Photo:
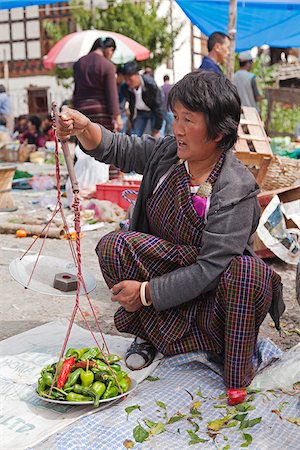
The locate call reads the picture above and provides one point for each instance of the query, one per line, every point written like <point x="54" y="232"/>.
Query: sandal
<point x="144" y="352"/>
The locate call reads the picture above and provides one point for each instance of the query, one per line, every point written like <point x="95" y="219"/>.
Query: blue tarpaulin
<point x="275" y="23"/>
<point x="8" y="4"/>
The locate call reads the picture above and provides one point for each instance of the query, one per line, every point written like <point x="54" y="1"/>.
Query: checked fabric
<point x="225" y="321"/>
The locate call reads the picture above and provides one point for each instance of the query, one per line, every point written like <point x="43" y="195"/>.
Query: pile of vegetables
<point x="85" y="375"/>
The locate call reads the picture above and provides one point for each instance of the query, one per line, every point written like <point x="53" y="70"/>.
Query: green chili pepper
<point x="99" y="388"/>
<point x="124" y="384"/>
<point x="73" y="397"/>
<point x="88" y="392"/>
<point x="100" y="365"/>
<point x="101" y="376"/>
<point x="111" y="358"/>
<point x="50" y="368"/>
<point x="72" y="378"/>
<point x="115" y="367"/>
<point x="41" y="387"/>
<point x="47" y="378"/>
<point x="90" y="354"/>
<point x="87" y="378"/>
<point x="119" y="375"/>
<point x="76" y="352"/>
<point x="111" y="391"/>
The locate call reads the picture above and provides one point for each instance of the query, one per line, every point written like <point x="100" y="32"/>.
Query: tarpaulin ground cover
<point x="178" y="378"/>
<point x="27" y="422"/>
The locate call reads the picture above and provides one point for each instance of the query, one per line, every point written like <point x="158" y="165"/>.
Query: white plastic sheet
<point x="25" y="419"/>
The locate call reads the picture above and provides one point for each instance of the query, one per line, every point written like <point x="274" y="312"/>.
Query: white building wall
<point x="182" y="46"/>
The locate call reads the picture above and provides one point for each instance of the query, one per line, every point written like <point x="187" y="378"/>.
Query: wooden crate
<point x="253" y="146"/>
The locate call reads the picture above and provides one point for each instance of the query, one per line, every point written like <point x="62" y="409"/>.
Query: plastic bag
<point x="89" y="172"/>
<point x="282" y="374"/>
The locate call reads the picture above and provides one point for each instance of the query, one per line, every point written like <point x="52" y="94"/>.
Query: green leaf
<point x="232" y="424"/>
<point x="199" y="393"/>
<point x="250" y="423"/>
<point x="150" y="424"/>
<point x="195" y="413"/>
<point x="243" y="407"/>
<point x="140" y="434"/>
<point x="151" y="378"/>
<point x="240" y="417"/>
<point x="195" y="425"/>
<point x="216" y="425"/>
<point x="157" y="429"/>
<point x="227" y="447"/>
<point x="282" y="405"/>
<point x="220" y="406"/>
<point x="195" y="439"/>
<point x="176" y="418"/>
<point x="248" y="439"/>
<point x="161" y="405"/>
<point x="129" y="409"/>
<point x="252" y="391"/>
<point x="294" y="420"/>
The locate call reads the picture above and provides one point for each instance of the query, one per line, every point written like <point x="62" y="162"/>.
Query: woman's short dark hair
<point x="103" y="43"/>
<point x="216" y="97"/>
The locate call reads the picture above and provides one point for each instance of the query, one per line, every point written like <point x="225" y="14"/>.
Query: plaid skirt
<point x="225" y="321"/>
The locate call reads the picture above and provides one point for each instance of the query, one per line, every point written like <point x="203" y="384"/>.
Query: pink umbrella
<point x="75" y="45"/>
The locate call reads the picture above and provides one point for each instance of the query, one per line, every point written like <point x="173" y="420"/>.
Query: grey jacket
<point x="232" y="217"/>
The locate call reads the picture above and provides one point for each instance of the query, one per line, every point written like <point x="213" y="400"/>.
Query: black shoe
<point x="145" y="350"/>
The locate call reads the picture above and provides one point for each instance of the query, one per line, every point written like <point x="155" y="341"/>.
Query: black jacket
<point x="152" y="97"/>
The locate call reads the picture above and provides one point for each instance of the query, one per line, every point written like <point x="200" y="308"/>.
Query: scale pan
<point x="43" y="276"/>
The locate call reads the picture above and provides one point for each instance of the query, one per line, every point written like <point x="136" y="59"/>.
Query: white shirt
<point x="139" y="102"/>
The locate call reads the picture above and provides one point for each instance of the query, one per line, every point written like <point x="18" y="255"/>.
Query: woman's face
<point x="108" y="52"/>
<point x="190" y="131"/>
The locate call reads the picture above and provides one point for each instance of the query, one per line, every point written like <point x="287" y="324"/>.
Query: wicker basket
<point x="282" y="172"/>
<point x="14" y="152"/>
<point x="6" y="176"/>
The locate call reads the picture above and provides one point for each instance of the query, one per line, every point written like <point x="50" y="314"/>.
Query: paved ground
<point x="23" y="309"/>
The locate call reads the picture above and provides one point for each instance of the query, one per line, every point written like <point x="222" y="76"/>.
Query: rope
<point x="76" y="253"/>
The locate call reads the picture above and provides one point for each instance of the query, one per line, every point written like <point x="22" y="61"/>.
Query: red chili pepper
<point x="236" y="396"/>
<point x="83" y="364"/>
<point x="65" y="370"/>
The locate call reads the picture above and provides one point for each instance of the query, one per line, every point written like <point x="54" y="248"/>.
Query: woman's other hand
<point x="118" y="123"/>
<point x="156" y="134"/>
<point x="127" y="293"/>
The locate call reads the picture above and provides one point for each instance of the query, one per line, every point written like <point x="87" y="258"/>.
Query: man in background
<point x="246" y="82"/>
<point x="218" y="50"/>
<point x="144" y="98"/>
<point x="169" y="116"/>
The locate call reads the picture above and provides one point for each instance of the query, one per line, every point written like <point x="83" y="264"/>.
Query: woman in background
<point x="95" y="93"/>
<point x="33" y="134"/>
